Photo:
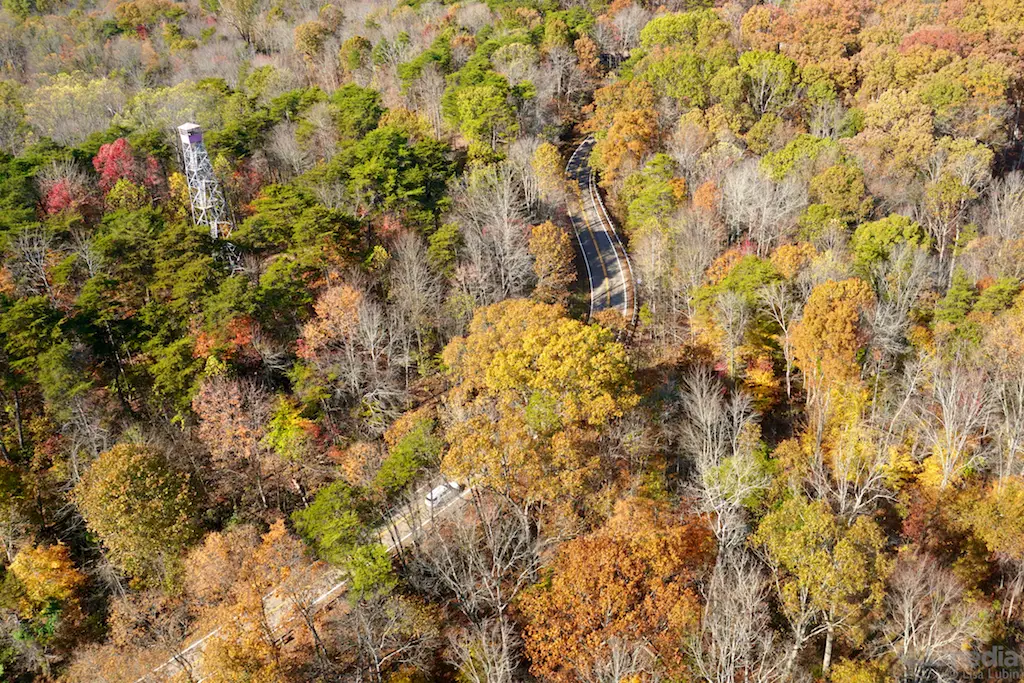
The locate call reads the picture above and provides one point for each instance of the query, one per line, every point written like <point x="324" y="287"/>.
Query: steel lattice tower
<point x="209" y="207"/>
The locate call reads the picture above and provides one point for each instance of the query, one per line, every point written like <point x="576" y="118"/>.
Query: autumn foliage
<point x="632" y="580"/>
<point x="803" y="459"/>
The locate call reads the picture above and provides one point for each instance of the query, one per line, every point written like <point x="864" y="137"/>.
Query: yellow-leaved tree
<point x="532" y="389"/>
<point x="46" y="575"/>
<point x="830" y="572"/>
<point x="830" y="335"/>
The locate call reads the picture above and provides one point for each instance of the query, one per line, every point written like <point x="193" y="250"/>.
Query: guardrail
<point x="603" y="212"/>
<point x="335" y="581"/>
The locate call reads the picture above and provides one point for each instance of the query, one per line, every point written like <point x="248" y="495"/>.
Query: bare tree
<point x="31" y="253"/>
<point x="957" y="415"/>
<point x="484" y="559"/>
<point x="1008" y="430"/>
<point x="929" y="619"/>
<point x="474" y="16"/>
<point x="415" y="290"/>
<point x="15" y="528"/>
<point x="784" y="308"/>
<point x="13" y="48"/>
<point x="827" y="119"/>
<point x="487" y="652"/>
<point x="560" y="64"/>
<point x="899" y="281"/>
<point x="520" y="157"/>
<point x="517" y="62"/>
<point x="967" y="172"/>
<point x="732" y="314"/>
<point x="671" y="267"/>
<point x="358" y="344"/>
<point x="853" y="476"/>
<point x="233" y="415"/>
<point x="718" y="434"/>
<point x="302" y="590"/>
<point x="492" y="212"/>
<point x="86" y="430"/>
<point x="633" y="439"/>
<point x="736" y="641"/>
<point x="628" y="22"/>
<point x="156" y="622"/>
<point x="1006" y="207"/>
<point x="687" y="145"/>
<point x="69" y="177"/>
<point x="375" y="373"/>
<point x="243" y="16"/>
<point x="286" y="150"/>
<point x="769" y="89"/>
<point x="388" y="631"/>
<point x="426" y="92"/>
<point x="760" y="206"/>
<point x="88" y="252"/>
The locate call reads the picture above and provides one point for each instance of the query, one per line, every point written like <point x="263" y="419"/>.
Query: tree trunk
<point x="826" y="660"/>
<point x="17" y="420"/>
<point x="259" y="485"/>
<point x="789" y="372"/>
<point x="787" y="674"/>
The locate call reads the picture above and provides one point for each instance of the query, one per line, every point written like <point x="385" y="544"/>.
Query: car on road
<point x="441" y="493"/>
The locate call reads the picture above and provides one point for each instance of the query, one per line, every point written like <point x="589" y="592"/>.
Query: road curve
<point x="608" y="267"/>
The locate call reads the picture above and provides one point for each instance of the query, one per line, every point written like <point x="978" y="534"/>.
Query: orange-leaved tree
<point x="552" y="262"/>
<point x="631" y="584"/>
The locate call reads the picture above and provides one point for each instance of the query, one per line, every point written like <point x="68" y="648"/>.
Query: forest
<point x="803" y="459"/>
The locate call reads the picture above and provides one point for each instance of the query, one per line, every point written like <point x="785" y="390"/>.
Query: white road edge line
<point x="611" y="230"/>
<point x="572" y="219"/>
<point x="629" y="264"/>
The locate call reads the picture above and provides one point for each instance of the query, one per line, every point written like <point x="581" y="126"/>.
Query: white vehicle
<point x="441" y="493"/>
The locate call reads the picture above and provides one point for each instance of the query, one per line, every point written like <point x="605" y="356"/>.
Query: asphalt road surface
<point x="414" y="519"/>
<point x="611" y="287"/>
<point x="608" y="268"/>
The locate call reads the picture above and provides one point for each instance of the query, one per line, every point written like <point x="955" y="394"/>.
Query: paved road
<point x="329" y="585"/>
<point x="608" y="267"/>
<point x="611" y="287"/>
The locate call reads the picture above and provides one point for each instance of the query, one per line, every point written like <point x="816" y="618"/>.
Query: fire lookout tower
<point x="209" y="208"/>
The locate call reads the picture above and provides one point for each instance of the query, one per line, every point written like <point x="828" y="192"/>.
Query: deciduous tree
<point x="830" y="334"/>
<point x="929" y="618"/>
<point x="553" y="262"/>
<point x="829" y="572"/>
<point x="531" y="388"/>
<point x="139" y="506"/>
<point x="233" y="416"/>
<point x="492" y="212"/>
<point x="47" y="576"/>
<point x="632" y="580"/>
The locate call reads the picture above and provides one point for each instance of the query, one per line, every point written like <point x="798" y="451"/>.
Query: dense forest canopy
<point x="803" y="460"/>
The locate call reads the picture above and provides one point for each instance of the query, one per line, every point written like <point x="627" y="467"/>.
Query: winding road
<point x="608" y="268"/>
<point x="612" y="287"/>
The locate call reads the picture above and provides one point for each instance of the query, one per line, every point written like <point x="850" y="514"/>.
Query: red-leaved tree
<point x="116" y="161"/>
